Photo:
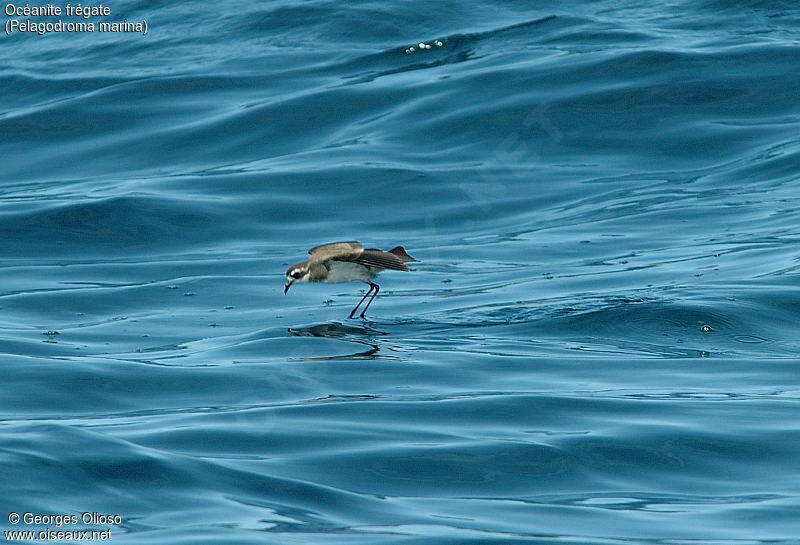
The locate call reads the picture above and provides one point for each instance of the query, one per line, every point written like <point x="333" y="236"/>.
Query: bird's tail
<point x="400" y="252"/>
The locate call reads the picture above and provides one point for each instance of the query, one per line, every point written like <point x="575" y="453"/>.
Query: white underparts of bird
<point x="339" y="262"/>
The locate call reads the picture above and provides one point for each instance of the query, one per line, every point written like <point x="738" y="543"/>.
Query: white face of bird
<point x="296" y="274"/>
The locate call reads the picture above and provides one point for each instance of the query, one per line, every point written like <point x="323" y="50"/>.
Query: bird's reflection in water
<point x="335" y="330"/>
<point x="364" y="336"/>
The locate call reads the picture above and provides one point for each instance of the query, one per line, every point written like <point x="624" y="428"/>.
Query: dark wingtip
<point x="400" y="252"/>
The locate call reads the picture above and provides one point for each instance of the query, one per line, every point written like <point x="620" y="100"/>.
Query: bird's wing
<point x="372" y="257"/>
<point x="324" y="252"/>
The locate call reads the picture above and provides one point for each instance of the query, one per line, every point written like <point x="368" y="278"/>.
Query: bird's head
<point x="296" y="273"/>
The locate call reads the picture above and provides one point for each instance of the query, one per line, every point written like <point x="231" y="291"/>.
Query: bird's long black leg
<point x="352" y="312"/>
<point x="377" y="288"/>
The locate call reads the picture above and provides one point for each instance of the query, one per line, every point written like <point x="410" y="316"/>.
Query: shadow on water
<point x="364" y="336"/>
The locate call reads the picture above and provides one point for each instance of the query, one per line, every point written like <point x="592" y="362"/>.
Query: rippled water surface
<point x="599" y="341"/>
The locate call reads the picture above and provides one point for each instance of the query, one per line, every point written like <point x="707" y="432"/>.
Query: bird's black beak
<point x="287" y="286"/>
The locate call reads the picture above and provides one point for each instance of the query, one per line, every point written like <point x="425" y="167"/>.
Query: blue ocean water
<point x="599" y="342"/>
